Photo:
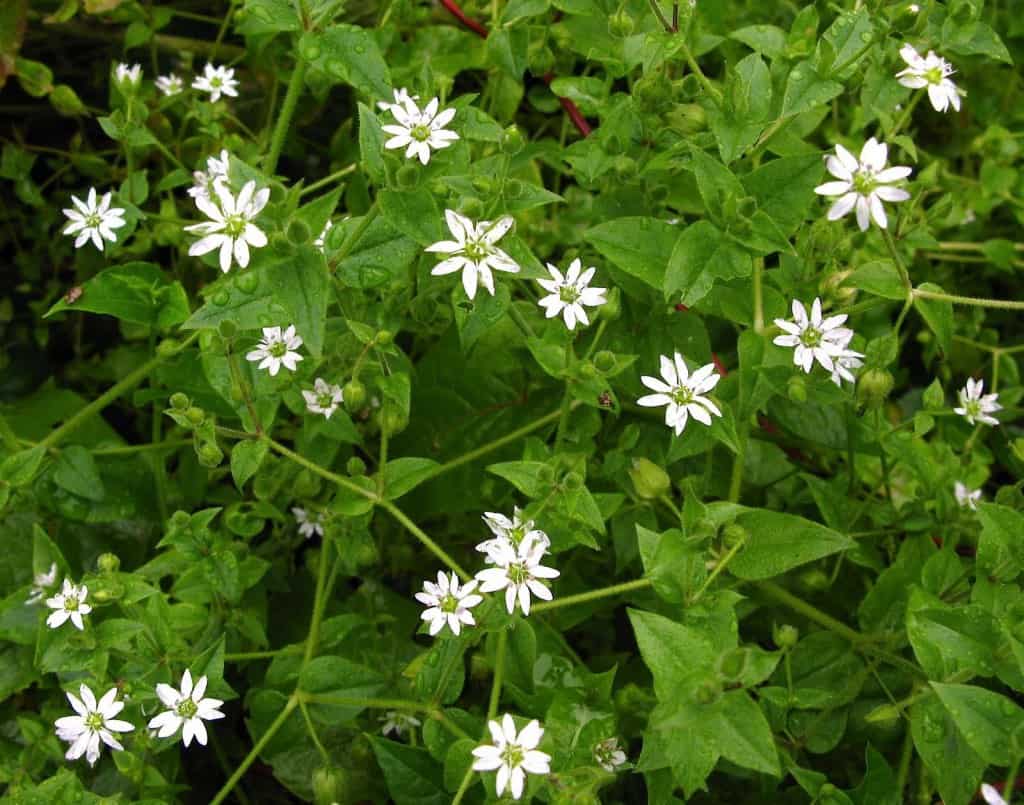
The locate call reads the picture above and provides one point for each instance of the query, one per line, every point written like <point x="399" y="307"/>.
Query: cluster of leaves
<point x="790" y="605"/>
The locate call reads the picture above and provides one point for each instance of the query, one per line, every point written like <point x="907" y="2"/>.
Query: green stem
<point x="906" y="755"/>
<point x="499" y="675"/>
<point x="661" y="16"/>
<point x="327" y="180"/>
<point x="736" y="479"/>
<point x="243" y="767"/>
<point x="758" y="295"/>
<point x="593" y="595"/>
<point x="386" y="704"/>
<point x="316" y="469"/>
<point x="710" y="88"/>
<point x="890" y="244"/>
<point x="974" y="301"/>
<point x="382" y="462"/>
<point x="131" y="380"/>
<point x="723" y="563"/>
<point x="311" y="729"/>
<point x="905" y="117"/>
<point x="246" y="656"/>
<point x="284" y="118"/>
<point x="319" y="603"/>
<point x="563" y="418"/>
<point x="354" y="236"/>
<point x="601" y="327"/>
<point x="428" y="543"/>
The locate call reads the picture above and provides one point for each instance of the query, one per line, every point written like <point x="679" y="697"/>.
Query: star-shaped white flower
<point x="843" y="365"/>
<point x="473" y="252"/>
<point x="42" y="582"/>
<point x="321" y="239"/>
<point x="509" y="531"/>
<point x="991" y="795"/>
<point x="518" y="571"/>
<point x="93" y="220"/>
<point x="683" y="394"/>
<point x="308" y="526"/>
<point x="933" y="72"/>
<point x="966" y="496"/>
<point x="128" y="74"/>
<point x="608" y="755"/>
<point x="217" y="81"/>
<point x="975" y="406"/>
<point x="277" y="348"/>
<point x="230" y="227"/>
<point x="863" y="184"/>
<point x="512" y="754"/>
<point x="448" y="603"/>
<point x="400" y="97"/>
<point x="814" y="338"/>
<point x="187" y="709"/>
<point x="204" y="182"/>
<point x="419" y="130"/>
<point x="398" y="723"/>
<point x="94" y="722"/>
<point x="170" y="84"/>
<point x="570" y="293"/>
<point x="68" y="604"/>
<point x="324" y="398"/>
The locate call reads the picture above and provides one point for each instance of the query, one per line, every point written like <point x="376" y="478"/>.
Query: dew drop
<point x="247" y="283"/>
<point x="221" y="298"/>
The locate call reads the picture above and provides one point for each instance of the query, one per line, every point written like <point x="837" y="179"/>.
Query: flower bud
<point x="408" y="176"/>
<point x="613" y="145"/>
<point x="625" y="167"/>
<point x="620" y="24"/>
<point x="66" y="101"/>
<point x="649" y="480"/>
<point x="604" y="361"/>
<point x="545" y="475"/>
<point x="511" y="140"/>
<point x="108" y="563"/>
<point x="354" y="395"/>
<point x="329" y="785"/>
<point x="210" y="455"/>
<point x="883" y="714"/>
<point x="483" y="184"/>
<point x="831" y="287"/>
<point x="179" y="401"/>
<point x="612" y="308"/>
<point x="298" y="232"/>
<point x="227" y="329"/>
<point x="355" y="467"/>
<point x="587" y="370"/>
<point x="796" y="389"/>
<point x="180" y="519"/>
<point x="391" y="420"/>
<point x="814" y="580"/>
<point x="785" y="635"/>
<point x="195" y="415"/>
<point x="734" y="534"/>
<point x="541" y="60"/>
<point x="572" y="481"/>
<point x="873" y="387"/>
<point x="471" y="207"/>
<point x="383" y="338"/>
<point x="167" y="347"/>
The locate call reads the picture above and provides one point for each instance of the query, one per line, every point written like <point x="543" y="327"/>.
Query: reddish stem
<point x="480" y="30"/>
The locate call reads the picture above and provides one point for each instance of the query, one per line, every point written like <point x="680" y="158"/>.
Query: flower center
<point x="234" y="226"/>
<point x="517" y="573"/>
<point x="278" y="349"/>
<point x="512" y="756"/>
<point x="449" y="603"/>
<point x="215" y="83"/>
<point x="71" y="604"/>
<point x="682" y="395"/>
<point x="475" y="250"/>
<point x="420" y="133"/>
<point x="934" y="75"/>
<point x="864" y="181"/>
<point x="811" y="337"/>
<point x="324" y="401"/>
<point x="93" y="220"/>
<point x="973" y="408"/>
<point x="94" y="721"/>
<point x="568" y="294"/>
<point x="187" y="708"/>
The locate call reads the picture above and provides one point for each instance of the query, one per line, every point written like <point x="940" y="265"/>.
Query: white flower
<point x="913" y="8"/>
<point x="419" y="130"/>
<point x="170" y="84"/>
<point x="41" y="583"/>
<point x="204" y="182"/>
<point x="92" y="220"/>
<point x="933" y="72"/>
<point x="976" y="406"/>
<point x="217" y="81"/>
<point x="473" y="251"/>
<point x="308" y="526"/>
<point x="607" y="754"/>
<point x="570" y="293"/>
<point x="69" y="603"/>
<point x="230" y="227"/>
<point x="324" y="399"/>
<point x="321" y="239"/>
<point x="449" y="603"/>
<point x="863" y="184"/>
<point x="186" y="710"/>
<point x="398" y="722"/>
<point x="517" y="570"/>
<point x="126" y="74"/>
<point x="682" y="393"/>
<point x="94" y="723"/>
<point x="966" y="497"/>
<point x="815" y="338"/>
<point x="508" y="531"/>
<point x="277" y="348"/>
<point x="401" y="96"/>
<point x="842" y="365"/>
<point x="513" y="755"/>
<point x="991" y="796"/>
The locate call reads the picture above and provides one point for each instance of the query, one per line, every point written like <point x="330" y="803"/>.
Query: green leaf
<point x="20" y="468"/>
<point x="740" y="120"/>
<point x="413" y="213"/>
<point x="246" y="457"/>
<point x="641" y="247"/>
<point x="474" y="318"/>
<point x="75" y="470"/>
<point x="973" y="38"/>
<point x="949" y="640"/>
<point x="769" y="40"/>
<point x="337" y="676"/>
<point x="412" y="776"/>
<point x="523" y="475"/>
<point x="1001" y="545"/>
<point x="702" y="255"/>
<point x="402" y="475"/>
<point x="742" y="734"/>
<point x="135" y="292"/>
<point x="675" y="653"/>
<point x="507" y="48"/>
<point x="987" y="720"/>
<point x="937" y="314"/>
<point x="784" y="189"/>
<point x="780" y="542"/>
<point x="371" y="145"/>
<point x="302" y="284"/>
<point x="878" y="277"/>
<point x="805" y="90"/>
<point x="348" y="53"/>
<point x="676" y="569"/>
<point x="955" y="767"/>
<point x="259" y="17"/>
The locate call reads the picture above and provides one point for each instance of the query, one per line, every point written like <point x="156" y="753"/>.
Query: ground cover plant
<point x="560" y="400"/>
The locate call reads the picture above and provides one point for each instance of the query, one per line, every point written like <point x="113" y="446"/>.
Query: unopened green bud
<point x="625" y="167"/>
<point x="734" y="534"/>
<point x="167" y="347"/>
<point x="354" y="395"/>
<point x="179" y="401"/>
<point x="620" y="24"/>
<point x="815" y="580"/>
<point x="391" y="420"/>
<point x="180" y="519"/>
<point x="210" y="455"/>
<point x="785" y="635"/>
<point x="383" y="338"/>
<point x="873" y="387"/>
<point x="298" y="232"/>
<point x="195" y="415"/>
<point x="108" y="563"/>
<point x="604" y="361"/>
<point x="227" y="329"/>
<point x="66" y="101"/>
<point x="471" y="207"/>
<point x="329" y="786"/>
<point x="511" y="140"/>
<point x="612" y="308"/>
<point x="545" y="475"/>
<point x="613" y="145"/>
<point x="483" y="184"/>
<point x="541" y="60"/>
<point x="572" y="481"/>
<point x="587" y="370"/>
<point x="355" y="466"/>
<point x="796" y="389"/>
<point x="883" y="714"/>
<point x="649" y="480"/>
<point x="408" y="175"/>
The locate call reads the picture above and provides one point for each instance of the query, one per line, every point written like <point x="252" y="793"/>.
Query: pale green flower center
<point x="324" y="401"/>
<point x="71" y="604"/>
<point x="811" y="337"/>
<point x="864" y="182"/>
<point x="512" y="756"/>
<point x="234" y="226"/>
<point x="568" y="294"/>
<point x="973" y="408"/>
<point x="420" y="133"/>
<point x="449" y="603"/>
<point x="216" y="83"/>
<point x="94" y="721"/>
<point x="682" y="395"/>
<point x="93" y="220"/>
<point x="933" y="76"/>
<point x="517" y="573"/>
<point x="278" y="349"/>
<point x="476" y="250"/>
<point x="187" y="708"/>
